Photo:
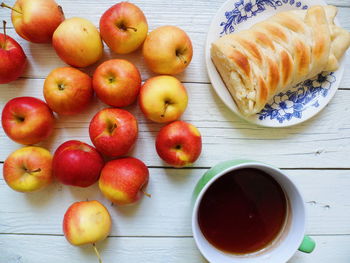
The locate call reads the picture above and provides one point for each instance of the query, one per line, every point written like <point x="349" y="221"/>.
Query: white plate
<point x="292" y="106"/>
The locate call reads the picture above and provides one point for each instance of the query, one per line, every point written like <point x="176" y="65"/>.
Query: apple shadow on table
<point x="42" y="197"/>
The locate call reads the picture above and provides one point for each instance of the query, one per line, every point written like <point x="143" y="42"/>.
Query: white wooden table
<point x="315" y="154"/>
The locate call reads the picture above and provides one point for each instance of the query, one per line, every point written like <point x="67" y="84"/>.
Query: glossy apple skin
<point x="68" y="91"/>
<point x="38" y="21"/>
<point x="78" y="164"/>
<point x="114" y="25"/>
<point x="77" y="42"/>
<point x="163" y="99"/>
<point x="167" y="50"/>
<point x="86" y="222"/>
<point x="27" y="120"/>
<point x="12" y="59"/>
<point x="113" y="131"/>
<point x="123" y="180"/>
<point x="117" y="82"/>
<point x="179" y="144"/>
<point x="28" y="169"/>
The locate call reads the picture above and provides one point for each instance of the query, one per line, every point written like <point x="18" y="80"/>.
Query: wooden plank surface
<point x="157" y="230"/>
<point x="29" y="249"/>
<point x="319" y="143"/>
<point x="328" y="212"/>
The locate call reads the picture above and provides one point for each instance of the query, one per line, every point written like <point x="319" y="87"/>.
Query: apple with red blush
<point x="27" y="120"/>
<point x="117" y="82"/>
<point x="113" y="131"/>
<point x="12" y="58"/>
<point x="123" y="180"/>
<point x="179" y="144"/>
<point x="77" y="163"/>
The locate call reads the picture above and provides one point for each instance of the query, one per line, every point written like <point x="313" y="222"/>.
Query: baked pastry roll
<point x="278" y="53"/>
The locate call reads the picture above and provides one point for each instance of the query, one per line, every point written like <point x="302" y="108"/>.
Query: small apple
<point x="36" y="20"/>
<point x="87" y="222"/>
<point x="167" y="50"/>
<point x="27" y="120"/>
<point x="123" y="27"/>
<point x="113" y="131"/>
<point x="163" y="99"/>
<point x="77" y="163"/>
<point x="179" y="144"/>
<point x="12" y="58"/>
<point x="28" y="169"/>
<point x="117" y="82"/>
<point x="68" y="90"/>
<point x="122" y="181"/>
<point x="77" y="42"/>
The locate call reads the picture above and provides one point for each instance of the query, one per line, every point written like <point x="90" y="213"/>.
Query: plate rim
<point x="233" y="107"/>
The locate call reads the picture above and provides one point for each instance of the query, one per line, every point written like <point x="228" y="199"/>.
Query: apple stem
<point x="7" y="6"/>
<point x="165" y="108"/>
<point x="4" y="24"/>
<point x="32" y="171"/>
<point x="133" y="28"/>
<point x="97" y="253"/>
<point x="146" y="194"/>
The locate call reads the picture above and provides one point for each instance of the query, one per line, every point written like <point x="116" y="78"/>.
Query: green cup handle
<point x="308" y="245"/>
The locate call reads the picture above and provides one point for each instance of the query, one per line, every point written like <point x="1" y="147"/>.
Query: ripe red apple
<point x="117" y="82"/>
<point x="12" y="58"/>
<point x="77" y="163"/>
<point x="122" y="181"/>
<point x="163" y="99"/>
<point x="27" y="120"/>
<point x="123" y="27"/>
<point x="36" y="20"/>
<point x="68" y="90"/>
<point x="113" y="131"/>
<point x="179" y="144"/>
<point x="77" y="42"/>
<point x="28" y="169"/>
<point x="87" y="222"/>
<point x="167" y="50"/>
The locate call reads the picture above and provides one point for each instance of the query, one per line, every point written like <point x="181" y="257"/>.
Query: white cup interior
<point x="285" y="245"/>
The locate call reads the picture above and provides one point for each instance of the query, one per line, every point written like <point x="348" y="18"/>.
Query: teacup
<point x="291" y="236"/>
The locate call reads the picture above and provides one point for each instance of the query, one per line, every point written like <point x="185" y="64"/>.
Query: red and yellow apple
<point x="123" y="27"/>
<point x="179" y="144"/>
<point x="12" y="58"/>
<point x="87" y="222"/>
<point x="28" y="169"/>
<point x="77" y="163"/>
<point x="77" y="42"/>
<point x="113" y="131"/>
<point x="36" y="20"/>
<point x="167" y="50"/>
<point x="27" y="120"/>
<point x="117" y="82"/>
<point x="163" y="99"/>
<point x="68" y="90"/>
<point x="122" y="181"/>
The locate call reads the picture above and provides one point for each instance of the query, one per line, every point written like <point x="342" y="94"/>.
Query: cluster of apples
<point x="113" y="131"/>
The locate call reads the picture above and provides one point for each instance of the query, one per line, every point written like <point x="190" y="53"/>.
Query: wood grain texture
<point x="168" y="212"/>
<point x="43" y="249"/>
<point x="318" y="143"/>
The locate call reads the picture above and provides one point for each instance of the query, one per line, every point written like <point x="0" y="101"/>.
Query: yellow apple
<point x="28" y="169"/>
<point x="87" y="222"/>
<point x="167" y="50"/>
<point x="77" y="42"/>
<point x="163" y="99"/>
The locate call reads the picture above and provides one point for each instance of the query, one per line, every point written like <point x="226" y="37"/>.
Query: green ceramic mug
<point x="292" y="236"/>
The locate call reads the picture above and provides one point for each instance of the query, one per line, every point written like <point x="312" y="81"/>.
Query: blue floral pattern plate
<point x="289" y="107"/>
